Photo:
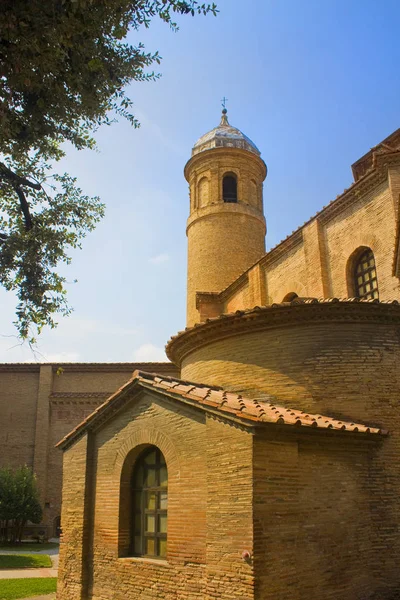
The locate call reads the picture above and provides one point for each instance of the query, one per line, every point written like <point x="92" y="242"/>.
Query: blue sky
<point x="315" y="84"/>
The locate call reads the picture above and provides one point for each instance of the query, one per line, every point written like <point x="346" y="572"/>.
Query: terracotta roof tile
<point x="228" y="404"/>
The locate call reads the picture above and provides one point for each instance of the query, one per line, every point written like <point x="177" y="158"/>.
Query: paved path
<point x="24" y="573"/>
<point x="47" y="597"/>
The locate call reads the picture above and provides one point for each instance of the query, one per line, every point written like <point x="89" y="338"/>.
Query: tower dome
<point x="224" y="136"/>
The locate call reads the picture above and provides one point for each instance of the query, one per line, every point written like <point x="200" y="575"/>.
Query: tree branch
<point x="25" y="209"/>
<point x="6" y="173"/>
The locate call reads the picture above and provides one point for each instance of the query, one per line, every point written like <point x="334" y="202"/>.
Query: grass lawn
<point x="28" y="546"/>
<point x="11" y="589"/>
<point x="22" y="561"/>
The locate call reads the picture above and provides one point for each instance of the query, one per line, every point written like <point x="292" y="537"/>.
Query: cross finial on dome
<point x="224" y="118"/>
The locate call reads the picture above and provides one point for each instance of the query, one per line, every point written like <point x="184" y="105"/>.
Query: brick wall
<point x="229" y="511"/>
<point x="38" y="407"/>
<point x="314" y="261"/>
<point x="276" y="476"/>
<point x="76" y="498"/>
<point x="314" y="538"/>
<point x="18" y="398"/>
<point x="209" y="508"/>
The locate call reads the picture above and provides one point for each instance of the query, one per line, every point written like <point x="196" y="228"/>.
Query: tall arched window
<point x="364" y="276"/>
<point x="149" y="502"/>
<point x="229" y="188"/>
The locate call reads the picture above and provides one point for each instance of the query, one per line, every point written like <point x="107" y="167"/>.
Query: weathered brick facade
<point x="284" y="456"/>
<point x="41" y="403"/>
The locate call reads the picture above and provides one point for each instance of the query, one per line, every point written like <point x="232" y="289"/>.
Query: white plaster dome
<point x="224" y="136"/>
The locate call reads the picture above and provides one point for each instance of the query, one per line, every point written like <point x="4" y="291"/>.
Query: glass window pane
<point x="360" y="280"/>
<point x="150" y="478"/>
<point x="150" y="546"/>
<point x="150" y="459"/>
<point x="137" y="500"/>
<point x="163" y="476"/>
<point x="150" y="523"/>
<point x="162" y="547"/>
<point x="163" y="500"/>
<point x="162" y="524"/>
<point x="151" y="500"/>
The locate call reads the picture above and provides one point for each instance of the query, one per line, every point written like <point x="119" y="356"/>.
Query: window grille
<point x="150" y="502"/>
<point x="365" y="278"/>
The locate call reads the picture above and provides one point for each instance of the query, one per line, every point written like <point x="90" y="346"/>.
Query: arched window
<point x="229" y="188"/>
<point x="364" y="276"/>
<point x="149" y="503"/>
<point x="290" y="297"/>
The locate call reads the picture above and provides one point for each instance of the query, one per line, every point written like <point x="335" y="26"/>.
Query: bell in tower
<point x="226" y="226"/>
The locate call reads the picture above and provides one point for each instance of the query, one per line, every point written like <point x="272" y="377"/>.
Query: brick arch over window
<point x="203" y="192"/>
<point x="290" y="296"/>
<point x="362" y="278"/>
<point x="124" y="467"/>
<point x="229" y="187"/>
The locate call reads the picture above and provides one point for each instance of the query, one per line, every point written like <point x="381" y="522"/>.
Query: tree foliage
<point x="64" y="67"/>
<point x="19" y="502"/>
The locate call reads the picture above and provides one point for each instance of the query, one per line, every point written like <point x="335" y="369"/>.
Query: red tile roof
<point x="250" y="412"/>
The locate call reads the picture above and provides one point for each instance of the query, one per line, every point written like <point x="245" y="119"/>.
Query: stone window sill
<point x="144" y="559"/>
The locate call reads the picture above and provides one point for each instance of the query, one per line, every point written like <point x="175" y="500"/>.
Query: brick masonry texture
<point x="39" y="407"/>
<point x="218" y="231"/>
<point x="297" y="500"/>
<point x="313" y="499"/>
<point x="206" y="531"/>
<point x="316" y="260"/>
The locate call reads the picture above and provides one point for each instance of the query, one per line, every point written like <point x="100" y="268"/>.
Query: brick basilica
<point x="263" y="462"/>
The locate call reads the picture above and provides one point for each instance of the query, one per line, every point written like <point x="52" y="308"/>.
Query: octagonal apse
<point x="339" y="357"/>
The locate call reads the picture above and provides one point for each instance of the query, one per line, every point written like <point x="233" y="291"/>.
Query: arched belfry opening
<point x="229" y="188"/>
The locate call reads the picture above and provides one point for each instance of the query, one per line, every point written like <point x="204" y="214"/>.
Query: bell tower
<point x="226" y="225"/>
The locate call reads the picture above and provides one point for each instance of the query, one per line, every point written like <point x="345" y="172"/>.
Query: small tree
<point x="19" y="502"/>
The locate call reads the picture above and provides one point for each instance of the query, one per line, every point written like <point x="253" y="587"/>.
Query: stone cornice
<point x="287" y="314"/>
<point x="120" y="367"/>
<point x="214" y="153"/>
<point x="20" y="367"/>
<point x="54" y="396"/>
<point x="235" y="208"/>
<point x="153" y="367"/>
<point x="296" y="239"/>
